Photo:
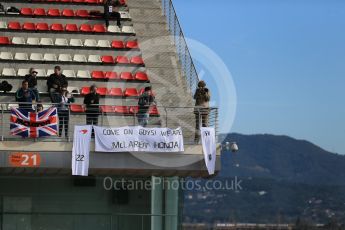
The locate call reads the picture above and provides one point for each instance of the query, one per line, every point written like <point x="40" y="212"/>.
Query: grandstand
<point x="148" y="50"/>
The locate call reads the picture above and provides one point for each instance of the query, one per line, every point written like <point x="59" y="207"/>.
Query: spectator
<point x="202" y="97"/>
<point x="39" y="108"/>
<point x="56" y="82"/>
<point x="145" y="101"/>
<point x="32" y="80"/>
<point x="63" y="99"/>
<point x="111" y="10"/>
<point x="25" y="95"/>
<point x="91" y="101"/>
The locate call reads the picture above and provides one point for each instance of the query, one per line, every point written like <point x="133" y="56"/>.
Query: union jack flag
<point x="27" y="123"/>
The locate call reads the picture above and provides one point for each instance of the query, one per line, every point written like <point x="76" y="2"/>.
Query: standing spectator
<point x="55" y="82"/>
<point x="63" y="99"/>
<point x="111" y="10"/>
<point x="39" y="107"/>
<point x="202" y="97"/>
<point x="145" y="101"/>
<point x="91" y="101"/>
<point x="24" y="94"/>
<point x="31" y="78"/>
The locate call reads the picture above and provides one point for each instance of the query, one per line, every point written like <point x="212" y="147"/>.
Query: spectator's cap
<point x="32" y="70"/>
<point x="201" y="84"/>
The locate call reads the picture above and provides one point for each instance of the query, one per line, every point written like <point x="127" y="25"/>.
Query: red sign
<point x="24" y="159"/>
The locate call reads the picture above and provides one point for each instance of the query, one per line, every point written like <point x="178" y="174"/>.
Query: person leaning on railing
<point x="202" y="98"/>
<point x="25" y="95"/>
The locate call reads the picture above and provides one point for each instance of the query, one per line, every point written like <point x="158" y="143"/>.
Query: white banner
<point x="208" y="139"/>
<point x="138" y="139"/>
<point x="81" y="150"/>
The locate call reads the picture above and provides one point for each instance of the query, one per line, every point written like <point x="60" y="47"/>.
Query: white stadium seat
<point x="9" y="72"/>
<point x="21" y="56"/>
<point x="124" y="14"/>
<point x="41" y="72"/>
<point x="6" y="56"/>
<point x="90" y="42"/>
<point x="83" y="74"/>
<point x="114" y="29"/>
<point x="3" y="25"/>
<point x="50" y="72"/>
<point x="61" y="42"/>
<point x="46" y="42"/>
<point x="18" y="40"/>
<point x="128" y="29"/>
<point x="75" y="42"/>
<point x="65" y="57"/>
<point x="49" y="57"/>
<point x="94" y="58"/>
<point x="36" y="57"/>
<point x="79" y="58"/>
<point x="73" y="90"/>
<point x="22" y="72"/>
<point x="69" y="73"/>
<point x="33" y="41"/>
<point x="103" y="43"/>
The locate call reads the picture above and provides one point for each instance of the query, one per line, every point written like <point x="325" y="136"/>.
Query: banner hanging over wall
<point x="138" y="139"/>
<point x="81" y="150"/>
<point x="208" y="139"/>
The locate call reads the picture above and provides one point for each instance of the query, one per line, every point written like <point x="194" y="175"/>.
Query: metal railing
<point x="184" y="56"/>
<point x="170" y="117"/>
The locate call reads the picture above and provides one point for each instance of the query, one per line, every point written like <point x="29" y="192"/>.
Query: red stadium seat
<point x="141" y="91"/>
<point x="122" y="60"/>
<point x="4" y="41"/>
<point x="91" y="1"/>
<point x="39" y="12"/>
<point x="65" y="0"/>
<point x="107" y="109"/>
<point x="29" y="26"/>
<point x="117" y="92"/>
<point x="102" y="91"/>
<point x="111" y="75"/>
<point x="85" y="90"/>
<point x="71" y="27"/>
<point x="82" y="13"/>
<point x="121" y="109"/>
<point x="141" y="76"/>
<point x="99" y="28"/>
<point x="122" y="2"/>
<point x="117" y="44"/>
<point x="53" y="12"/>
<point x="26" y="11"/>
<point x="130" y="92"/>
<point x="14" y="26"/>
<point x="78" y="1"/>
<point x="134" y="109"/>
<point x="153" y="110"/>
<point x="132" y="45"/>
<point x="42" y="26"/>
<point x="97" y="75"/>
<point x="137" y="60"/>
<point x="56" y="27"/>
<point x="107" y="59"/>
<point x="75" y="108"/>
<point x="127" y="76"/>
<point x="68" y="13"/>
<point x="85" y="28"/>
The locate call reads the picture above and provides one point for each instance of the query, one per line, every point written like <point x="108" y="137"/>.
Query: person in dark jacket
<point x="24" y="94"/>
<point x="32" y="80"/>
<point x="55" y="82"/>
<point x="91" y="101"/>
<point x="145" y="101"/>
<point x="111" y="10"/>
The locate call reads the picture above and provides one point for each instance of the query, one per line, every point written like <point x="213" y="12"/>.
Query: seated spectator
<point x="111" y="10"/>
<point x="91" y="101"/>
<point x="32" y="80"/>
<point x="25" y="95"/>
<point x="63" y="99"/>
<point x="55" y="82"/>
<point x="145" y="101"/>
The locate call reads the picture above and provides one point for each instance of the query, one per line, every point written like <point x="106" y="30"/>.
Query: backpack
<point x="5" y="86"/>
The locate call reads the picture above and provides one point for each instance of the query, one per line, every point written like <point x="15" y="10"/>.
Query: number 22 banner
<point x="81" y="150"/>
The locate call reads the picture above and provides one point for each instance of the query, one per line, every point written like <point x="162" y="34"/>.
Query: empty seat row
<point x="57" y="27"/>
<point x="121" y="110"/>
<point x="117" y="92"/>
<point x="49" y="57"/>
<point x="116" y="44"/>
<point x="53" y="12"/>
<point x="122" y="2"/>
<point x="96" y="74"/>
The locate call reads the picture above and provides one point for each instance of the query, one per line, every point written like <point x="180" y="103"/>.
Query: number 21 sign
<point x="24" y="159"/>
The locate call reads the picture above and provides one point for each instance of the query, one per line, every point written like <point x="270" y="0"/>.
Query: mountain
<point x="282" y="180"/>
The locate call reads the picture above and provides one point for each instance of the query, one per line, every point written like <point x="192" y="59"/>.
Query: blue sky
<point x="287" y="60"/>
